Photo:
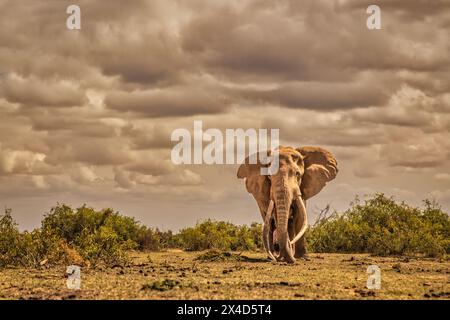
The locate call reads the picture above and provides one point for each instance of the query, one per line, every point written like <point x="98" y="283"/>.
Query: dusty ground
<point x="180" y="275"/>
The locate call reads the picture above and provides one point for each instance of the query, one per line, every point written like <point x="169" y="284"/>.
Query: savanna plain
<point x="176" y="274"/>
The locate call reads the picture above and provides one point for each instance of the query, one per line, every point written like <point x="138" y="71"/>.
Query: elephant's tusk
<point x="266" y="230"/>
<point x="302" y="209"/>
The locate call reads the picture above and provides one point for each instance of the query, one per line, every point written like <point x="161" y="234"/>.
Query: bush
<point x="219" y="235"/>
<point x="9" y="239"/>
<point x="154" y="239"/>
<point x="102" y="233"/>
<point x="382" y="226"/>
<point x="378" y="225"/>
<point x="98" y="236"/>
<point x="27" y="249"/>
<point x="82" y="236"/>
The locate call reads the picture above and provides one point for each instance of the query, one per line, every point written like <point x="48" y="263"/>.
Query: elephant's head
<point x="302" y="173"/>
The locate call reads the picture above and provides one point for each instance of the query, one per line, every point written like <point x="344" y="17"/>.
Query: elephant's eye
<point x="298" y="175"/>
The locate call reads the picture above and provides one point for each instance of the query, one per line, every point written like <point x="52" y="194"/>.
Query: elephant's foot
<point x="305" y="257"/>
<point x="301" y="256"/>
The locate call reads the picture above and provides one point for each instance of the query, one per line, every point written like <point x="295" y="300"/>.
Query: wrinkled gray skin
<point x="303" y="172"/>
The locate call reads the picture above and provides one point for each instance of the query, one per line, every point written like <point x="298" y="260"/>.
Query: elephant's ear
<point x="320" y="168"/>
<point x="252" y="166"/>
<point x="258" y="185"/>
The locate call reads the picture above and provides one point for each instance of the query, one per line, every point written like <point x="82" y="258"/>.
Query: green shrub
<point x="382" y="226"/>
<point x="219" y="235"/>
<point x="154" y="239"/>
<point x="378" y="225"/>
<point x="9" y="239"/>
<point x="66" y="235"/>
<point x="72" y="224"/>
<point x="103" y="233"/>
<point x="101" y="236"/>
<point x="27" y="249"/>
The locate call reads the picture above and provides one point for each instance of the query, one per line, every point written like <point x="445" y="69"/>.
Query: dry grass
<point x="183" y="275"/>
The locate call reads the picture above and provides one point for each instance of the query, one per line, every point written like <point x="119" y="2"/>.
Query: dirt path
<point x="180" y="275"/>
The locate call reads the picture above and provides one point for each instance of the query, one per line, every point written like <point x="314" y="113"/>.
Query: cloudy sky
<point x="86" y="115"/>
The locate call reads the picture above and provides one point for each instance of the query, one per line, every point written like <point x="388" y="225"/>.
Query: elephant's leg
<point x="300" y="245"/>
<point x="300" y="248"/>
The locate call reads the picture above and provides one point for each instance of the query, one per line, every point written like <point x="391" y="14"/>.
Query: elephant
<point x="281" y="197"/>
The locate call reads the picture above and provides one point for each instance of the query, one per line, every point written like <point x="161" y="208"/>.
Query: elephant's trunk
<point x="283" y="204"/>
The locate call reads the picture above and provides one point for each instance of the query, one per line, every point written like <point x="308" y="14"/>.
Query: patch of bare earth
<point x="194" y="275"/>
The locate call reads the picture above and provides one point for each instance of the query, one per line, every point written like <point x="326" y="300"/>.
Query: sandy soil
<point x="182" y="275"/>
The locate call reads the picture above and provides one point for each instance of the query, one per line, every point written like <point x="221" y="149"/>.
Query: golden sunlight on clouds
<point x="86" y="115"/>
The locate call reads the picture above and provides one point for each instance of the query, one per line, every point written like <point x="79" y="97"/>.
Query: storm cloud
<point x="86" y="115"/>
